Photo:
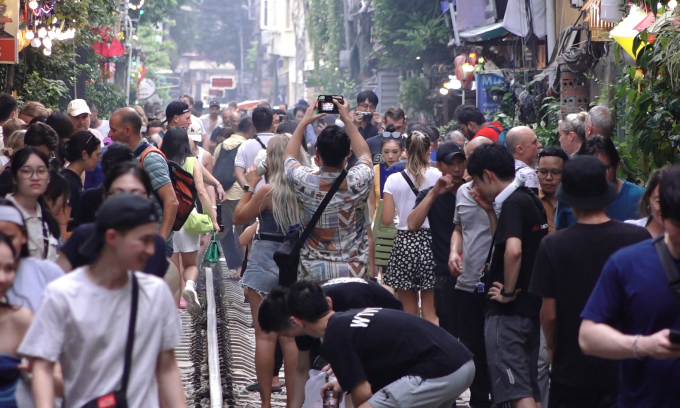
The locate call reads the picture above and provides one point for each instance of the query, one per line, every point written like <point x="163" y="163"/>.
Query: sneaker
<point x="193" y="305"/>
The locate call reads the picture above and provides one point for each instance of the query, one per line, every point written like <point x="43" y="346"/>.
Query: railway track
<point x="217" y="349"/>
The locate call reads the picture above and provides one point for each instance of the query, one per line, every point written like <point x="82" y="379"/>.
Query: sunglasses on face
<point x="391" y="135"/>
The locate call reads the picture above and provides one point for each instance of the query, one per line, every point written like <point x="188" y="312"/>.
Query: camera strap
<point x="130" y="335"/>
<point x="409" y="182"/>
<point x="668" y="266"/>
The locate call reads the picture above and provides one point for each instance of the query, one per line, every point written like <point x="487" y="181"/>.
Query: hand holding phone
<point x="674" y="336"/>
<point x="325" y="103"/>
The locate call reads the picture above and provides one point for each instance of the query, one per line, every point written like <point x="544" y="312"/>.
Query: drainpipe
<point x="550" y="23"/>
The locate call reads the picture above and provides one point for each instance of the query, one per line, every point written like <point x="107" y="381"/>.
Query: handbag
<point x="212" y="254"/>
<point x="198" y="223"/>
<point x="287" y="257"/>
<point x="118" y="399"/>
<point x="668" y="266"/>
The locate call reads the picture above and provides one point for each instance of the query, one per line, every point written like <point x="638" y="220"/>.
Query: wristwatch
<point x="509" y="295"/>
<point x="246" y="188"/>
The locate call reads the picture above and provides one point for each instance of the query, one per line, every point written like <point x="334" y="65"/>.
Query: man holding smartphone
<point x="632" y="311"/>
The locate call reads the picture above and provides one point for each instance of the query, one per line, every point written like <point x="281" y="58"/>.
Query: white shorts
<point x="185" y="242"/>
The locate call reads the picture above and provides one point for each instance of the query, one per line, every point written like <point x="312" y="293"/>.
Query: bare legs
<point x="409" y="299"/>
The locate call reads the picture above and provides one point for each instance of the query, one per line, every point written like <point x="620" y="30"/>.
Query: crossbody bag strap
<point x="317" y="214"/>
<point x="260" y="142"/>
<point x="131" y="335"/>
<point x="410" y="183"/>
<point x="668" y="266"/>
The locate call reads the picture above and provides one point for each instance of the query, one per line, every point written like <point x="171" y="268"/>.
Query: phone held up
<point x="674" y="336"/>
<point x="325" y="103"/>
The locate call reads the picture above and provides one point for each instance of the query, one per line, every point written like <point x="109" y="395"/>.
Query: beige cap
<point x="77" y="107"/>
<point x="194" y="130"/>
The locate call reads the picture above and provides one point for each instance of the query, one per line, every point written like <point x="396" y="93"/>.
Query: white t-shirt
<point x="30" y="282"/>
<point x="84" y="327"/>
<point x="38" y="233"/>
<point x="104" y="128"/>
<point x="245" y="156"/>
<point x="207" y="124"/>
<point x="404" y="199"/>
<point x="97" y="134"/>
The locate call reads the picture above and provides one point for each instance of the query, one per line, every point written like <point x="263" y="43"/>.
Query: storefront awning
<point x="484" y="33"/>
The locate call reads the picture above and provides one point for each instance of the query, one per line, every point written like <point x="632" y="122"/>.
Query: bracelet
<point x="508" y="295"/>
<point x="635" y="340"/>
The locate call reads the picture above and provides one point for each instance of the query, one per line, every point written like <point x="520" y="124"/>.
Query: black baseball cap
<point x="214" y="103"/>
<point x="175" y="108"/>
<point x="118" y="212"/>
<point x="584" y="184"/>
<point x="448" y="150"/>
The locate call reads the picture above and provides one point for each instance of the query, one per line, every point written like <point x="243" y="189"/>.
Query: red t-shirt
<point x="490" y="132"/>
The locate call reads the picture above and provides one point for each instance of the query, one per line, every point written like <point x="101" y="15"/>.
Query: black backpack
<point x="223" y="170"/>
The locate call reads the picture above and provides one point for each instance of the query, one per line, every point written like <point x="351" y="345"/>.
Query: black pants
<point x="564" y="396"/>
<point x="471" y="333"/>
<point x="445" y="303"/>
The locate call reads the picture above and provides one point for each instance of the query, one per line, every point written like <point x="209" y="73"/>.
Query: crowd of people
<point x="520" y="272"/>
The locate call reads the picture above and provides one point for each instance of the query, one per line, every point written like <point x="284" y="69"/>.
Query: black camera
<point x="325" y="103"/>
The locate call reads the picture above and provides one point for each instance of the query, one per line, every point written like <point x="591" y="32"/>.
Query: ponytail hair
<point x="417" y="162"/>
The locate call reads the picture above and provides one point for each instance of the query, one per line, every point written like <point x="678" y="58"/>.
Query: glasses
<point x="27" y="172"/>
<point x="366" y="106"/>
<point x="543" y="173"/>
<point x="391" y="135"/>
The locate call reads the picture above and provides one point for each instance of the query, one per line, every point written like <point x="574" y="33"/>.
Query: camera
<point x="325" y="103"/>
<point x="367" y="116"/>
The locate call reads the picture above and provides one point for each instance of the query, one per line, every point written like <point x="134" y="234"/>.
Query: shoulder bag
<point x="287" y="257"/>
<point x="410" y="183"/>
<point x="118" y="399"/>
<point x="668" y="266"/>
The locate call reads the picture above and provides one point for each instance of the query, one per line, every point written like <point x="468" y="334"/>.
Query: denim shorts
<point x="262" y="273"/>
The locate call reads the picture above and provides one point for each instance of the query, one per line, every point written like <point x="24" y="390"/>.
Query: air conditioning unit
<point x="578" y="3"/>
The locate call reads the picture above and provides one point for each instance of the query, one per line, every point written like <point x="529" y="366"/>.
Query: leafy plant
<point x="106" y="97"/>
<point x="47" y="91"/>
<point x="415" y="96"/>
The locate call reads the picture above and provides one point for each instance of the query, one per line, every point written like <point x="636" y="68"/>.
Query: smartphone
<point x="325" y="103"/>
<point x="674" y="336"/>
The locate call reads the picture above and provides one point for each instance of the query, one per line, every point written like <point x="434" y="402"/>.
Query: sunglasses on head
<point x="391" y="135"/>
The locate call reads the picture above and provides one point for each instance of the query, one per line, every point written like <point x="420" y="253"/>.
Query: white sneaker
<point x="193" y="305"/>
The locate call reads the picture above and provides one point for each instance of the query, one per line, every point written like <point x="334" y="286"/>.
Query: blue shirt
<point x="632" y="295"/>
<point x="624" y="207"/>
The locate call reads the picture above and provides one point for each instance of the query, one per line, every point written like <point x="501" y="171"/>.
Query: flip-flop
<point x="255" y="387"/>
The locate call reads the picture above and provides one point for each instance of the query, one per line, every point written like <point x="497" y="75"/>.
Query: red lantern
<point x="463" y="72"/>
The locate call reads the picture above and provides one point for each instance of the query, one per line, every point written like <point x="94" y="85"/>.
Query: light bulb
<point x="52" y="34"/>
<point x="42" y="32"/>
<point x="33" y="4"/>
<point x="30" y="35"/>
<point x="54" y="20"/>
<point x="47" y="42"/>
<point x="443" y="91"/>
<point x="456" y="84"/>
<point x="672" y="4"/>
<point x="468" y="68"/>
<point x="35" y="42"/>
<point x="47" y="52"/>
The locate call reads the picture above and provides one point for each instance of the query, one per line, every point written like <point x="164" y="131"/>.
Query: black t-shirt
<point x="157" y="265"/>
<point x="375" y="146"/>
<point x="382" y="345"/>
<point x="523" y="217"/>
<point x="568" y="265"/>
<point x="352" y="293"/>
<point x="442" y="226"/>
<point x="369" y="131"/>
<point x="6" y="183"/>
<point x="90" y="202"/>
<point x="76" y="187"/>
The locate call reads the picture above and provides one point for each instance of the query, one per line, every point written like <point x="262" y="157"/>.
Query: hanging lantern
<point x="42" y="32"/>
<point x="33" y="4"/>
<point x="30" y="35"/>
<point x="35" y="42"/>
<point x="47" y="42"/>
<point x="47" y="52"/>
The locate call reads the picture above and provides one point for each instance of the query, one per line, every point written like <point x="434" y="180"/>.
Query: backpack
<point x="223" y="170"/>
<point x="502" y="135"/>
<point x="182" y="183"/>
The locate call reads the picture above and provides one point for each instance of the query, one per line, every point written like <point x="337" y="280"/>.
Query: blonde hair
<point x="417" y="160"/>
<point x="575" y="122"/>
<point x="34" y="109"/>
<point x="12" y="125"/>
<point x="285" y="205"/>
<point x="15" y="141"/>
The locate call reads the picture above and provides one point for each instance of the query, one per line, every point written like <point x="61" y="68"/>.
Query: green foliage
<point x="410" y="33"/>
<point x="415" y="96"/>
<point x="326" y="35"/>
<point x="47" y="91"/>
<point x="107" y="97"/>
<point x="155" y="11"/>
<point x="646" y="105"/>
<point x="251" y="55"/>
<point x="334" y="83"/>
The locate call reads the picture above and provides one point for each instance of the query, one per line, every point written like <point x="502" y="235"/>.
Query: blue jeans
<point x="229" y="235"/>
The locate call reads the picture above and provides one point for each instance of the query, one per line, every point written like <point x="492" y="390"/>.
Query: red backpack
<point x="182" y="182"/>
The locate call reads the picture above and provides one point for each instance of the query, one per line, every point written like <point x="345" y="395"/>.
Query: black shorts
<point x="512" y="346"/>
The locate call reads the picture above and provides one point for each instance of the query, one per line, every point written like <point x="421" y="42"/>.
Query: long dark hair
<point x="176" y="145"/>
<point x="18" y="162"/>
<point x="127" y="168"/>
